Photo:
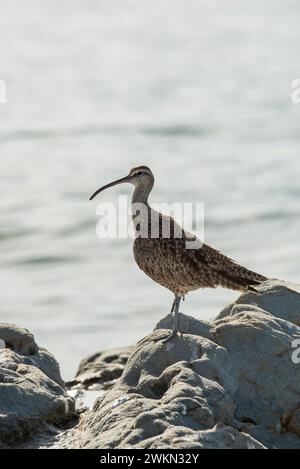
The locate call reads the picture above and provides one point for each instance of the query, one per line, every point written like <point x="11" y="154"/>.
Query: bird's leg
<point x="176" y="314"/>
<point x="175" y="329"/>
<point x="173" y="306"/>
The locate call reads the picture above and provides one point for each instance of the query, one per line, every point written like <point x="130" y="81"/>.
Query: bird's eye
<point x="139" y="173"/>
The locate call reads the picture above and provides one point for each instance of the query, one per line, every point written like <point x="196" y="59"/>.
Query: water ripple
<point x="163" y="130"/>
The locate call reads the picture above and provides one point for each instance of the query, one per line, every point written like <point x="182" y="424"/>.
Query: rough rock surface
<point x="101" y="369"/>
<point x="32" y="392"/>
<point x="227" y="383"/>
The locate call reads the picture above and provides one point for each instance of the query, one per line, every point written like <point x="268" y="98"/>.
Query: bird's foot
<point x="171" y="336"/>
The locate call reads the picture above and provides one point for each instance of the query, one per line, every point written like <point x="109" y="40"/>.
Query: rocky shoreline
<point x="232" y="382"/>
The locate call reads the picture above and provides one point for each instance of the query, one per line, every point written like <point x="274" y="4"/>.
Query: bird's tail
<point x="244" y="279"/>
<point x="228" y="273"/>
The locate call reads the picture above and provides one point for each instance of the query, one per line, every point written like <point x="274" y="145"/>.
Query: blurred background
<point x="200" y="91"/>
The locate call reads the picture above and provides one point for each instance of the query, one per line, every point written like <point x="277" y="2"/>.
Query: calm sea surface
<point x="200" y="92"/>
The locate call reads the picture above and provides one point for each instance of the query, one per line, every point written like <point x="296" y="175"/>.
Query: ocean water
<point x="198" y="90"/>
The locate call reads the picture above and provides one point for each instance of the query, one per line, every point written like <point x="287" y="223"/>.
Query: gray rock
<point x="278" y="298"/>
<point x="31" y="388"/>
<point x="17" y="339"/>
<point x="219" y="437"/>
<point x="227" y="383"/>
<point x="101" y="369"/>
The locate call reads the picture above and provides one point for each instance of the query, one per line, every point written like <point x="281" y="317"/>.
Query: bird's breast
<point x="161" y="260"/>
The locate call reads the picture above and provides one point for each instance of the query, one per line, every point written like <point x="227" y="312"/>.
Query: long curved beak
<point x="114" y="183"/>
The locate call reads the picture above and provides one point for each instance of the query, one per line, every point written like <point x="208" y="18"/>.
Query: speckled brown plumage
<point x="168" y="262"/>
<point x="166" y="259"/>
<point x="182" y="270"/>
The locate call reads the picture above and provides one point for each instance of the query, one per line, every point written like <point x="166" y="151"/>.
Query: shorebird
<point x="166" y="258"/>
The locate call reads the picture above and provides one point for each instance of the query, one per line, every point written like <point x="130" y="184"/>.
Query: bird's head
<point x="140" y="176"/>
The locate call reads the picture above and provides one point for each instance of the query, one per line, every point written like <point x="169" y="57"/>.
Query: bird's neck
<point x="140" y="210"/>
<point x="140" y="195"/>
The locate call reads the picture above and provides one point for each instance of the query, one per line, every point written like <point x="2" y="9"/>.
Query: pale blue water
<point x="197" y="90"/>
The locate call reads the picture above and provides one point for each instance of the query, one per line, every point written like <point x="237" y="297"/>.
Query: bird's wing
<point x="209" y="258"/>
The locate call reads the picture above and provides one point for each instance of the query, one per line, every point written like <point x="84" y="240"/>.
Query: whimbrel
<point x="166" y="259"/>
